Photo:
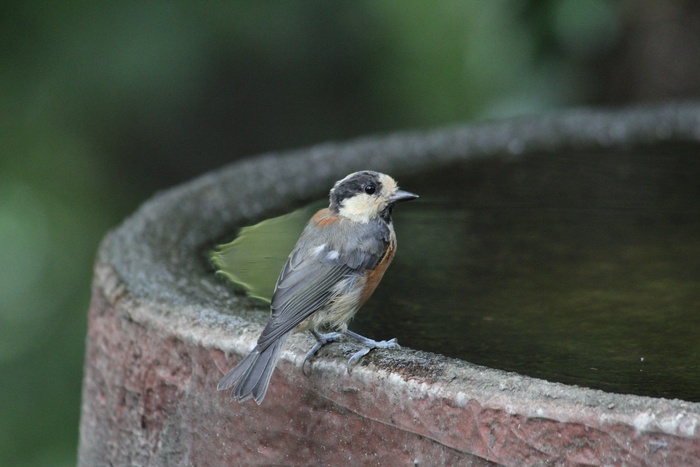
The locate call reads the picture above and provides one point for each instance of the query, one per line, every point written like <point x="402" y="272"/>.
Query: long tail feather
<point x="251" y="377"/>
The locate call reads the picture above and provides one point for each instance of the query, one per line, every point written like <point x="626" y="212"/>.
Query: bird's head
<point x="363" y="196"/>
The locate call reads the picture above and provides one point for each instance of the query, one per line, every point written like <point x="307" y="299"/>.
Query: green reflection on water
<point x="254" y="259"/>
<point x="582" y="269"/>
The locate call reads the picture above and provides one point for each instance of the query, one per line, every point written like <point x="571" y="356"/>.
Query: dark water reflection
<point x="581" y="269"/>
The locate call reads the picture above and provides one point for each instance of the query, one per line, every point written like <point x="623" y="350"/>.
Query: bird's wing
<point x="306" y="282"/>
<point x="303" y="288"/>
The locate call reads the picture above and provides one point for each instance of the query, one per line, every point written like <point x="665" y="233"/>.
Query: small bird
<point x="336" y="265"/>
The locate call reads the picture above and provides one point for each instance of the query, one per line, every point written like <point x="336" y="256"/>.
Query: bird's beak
<point x="401" y="195"/>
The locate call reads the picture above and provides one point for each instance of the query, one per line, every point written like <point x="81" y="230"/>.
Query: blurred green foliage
<point x="105" y="102"/>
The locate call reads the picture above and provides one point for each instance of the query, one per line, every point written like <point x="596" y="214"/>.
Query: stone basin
<point x="163" y="329"/>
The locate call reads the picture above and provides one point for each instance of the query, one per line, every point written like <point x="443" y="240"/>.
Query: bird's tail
<point x="251" y="377"/>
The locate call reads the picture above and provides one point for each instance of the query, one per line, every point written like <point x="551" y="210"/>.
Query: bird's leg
<point x="321" y="340"/>
<point x="369" y="345"/>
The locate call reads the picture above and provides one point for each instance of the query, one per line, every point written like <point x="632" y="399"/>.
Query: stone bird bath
<point x="163" y="329"/>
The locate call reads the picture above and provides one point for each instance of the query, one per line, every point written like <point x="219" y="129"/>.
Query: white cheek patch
<point x="389" y="184"/>
<point x="359" y="208"/>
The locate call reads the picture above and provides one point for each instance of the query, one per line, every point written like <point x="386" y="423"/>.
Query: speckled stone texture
<point x="163" y="330"/>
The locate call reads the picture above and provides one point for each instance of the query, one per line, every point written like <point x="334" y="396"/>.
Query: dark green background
<point x="103" y="103"/>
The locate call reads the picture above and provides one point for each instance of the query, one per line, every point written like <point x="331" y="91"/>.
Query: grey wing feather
<point x="306" y="281"/>
<point x="312" y="284"/>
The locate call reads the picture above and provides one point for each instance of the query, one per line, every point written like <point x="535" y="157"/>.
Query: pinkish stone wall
<point x="150" y="398"/>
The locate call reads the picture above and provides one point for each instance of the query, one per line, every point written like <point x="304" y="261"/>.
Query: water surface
<point x="580" y="268"/>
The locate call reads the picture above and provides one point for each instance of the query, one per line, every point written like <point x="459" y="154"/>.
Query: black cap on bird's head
<point x="365" y="195"/>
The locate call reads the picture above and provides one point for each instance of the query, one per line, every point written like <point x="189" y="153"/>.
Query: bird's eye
<point x="370" y="189"/>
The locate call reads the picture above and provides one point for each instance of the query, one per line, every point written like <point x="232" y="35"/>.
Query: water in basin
<point x="580" y="268"/>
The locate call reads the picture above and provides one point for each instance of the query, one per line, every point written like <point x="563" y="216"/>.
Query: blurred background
<point x="104" y="103"/>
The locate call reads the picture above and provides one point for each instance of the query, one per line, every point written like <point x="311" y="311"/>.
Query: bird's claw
<point x="309" y="355"/>
<point x="371" y="344"/>
<point x="354" y="360"/>
<point x="390" y="344"/>
<point x="321" y="340"/>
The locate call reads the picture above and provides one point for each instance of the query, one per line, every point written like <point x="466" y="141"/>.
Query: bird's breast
<point x="374" y="276"/>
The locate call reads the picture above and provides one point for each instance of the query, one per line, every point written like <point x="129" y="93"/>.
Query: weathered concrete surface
<point x="160" y="323"/>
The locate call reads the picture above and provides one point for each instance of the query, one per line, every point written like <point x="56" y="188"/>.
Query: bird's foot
<point x="321" y="340"/>
<point x="369" y="345"/>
